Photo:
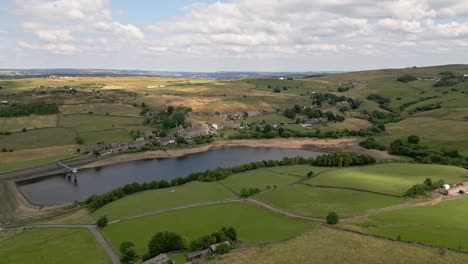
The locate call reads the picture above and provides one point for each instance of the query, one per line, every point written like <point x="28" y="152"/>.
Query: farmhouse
<point x="446" y="187"/>
<point x="160" y="259"/>
<point x="362" y="116"/>
<point x="196" y="131"/>
<point x="166" y="141"/>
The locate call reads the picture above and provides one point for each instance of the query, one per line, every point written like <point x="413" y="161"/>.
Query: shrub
<point x="102" y="222"/>
<point x="332" y="218"/>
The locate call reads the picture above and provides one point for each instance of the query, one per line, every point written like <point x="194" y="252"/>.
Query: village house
<point x="362" y="116"/>
<point x="90" y="149"/>
<point x="160" y="259"/>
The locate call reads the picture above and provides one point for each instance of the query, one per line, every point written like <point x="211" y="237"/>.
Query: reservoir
<point x="57" y="189"/>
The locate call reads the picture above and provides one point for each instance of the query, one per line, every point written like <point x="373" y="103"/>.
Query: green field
<point x="443" y="224"/>
<point x="38" y="138"/>
<point x="260" y="179"/>
<point x="51" y="245"/>
<point x="318" y="202"/>
<point x="188" y="194"/>
<point x="392" y="178"/>
<point x="251" y="223"/>
<point x="107" y="136"/>
<point x="326" y="245"/>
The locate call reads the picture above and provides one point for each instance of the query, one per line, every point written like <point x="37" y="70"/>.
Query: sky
<point x="235" y="35"/>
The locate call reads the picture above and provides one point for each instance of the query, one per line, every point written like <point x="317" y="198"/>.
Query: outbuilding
<point x="446" y="187"/>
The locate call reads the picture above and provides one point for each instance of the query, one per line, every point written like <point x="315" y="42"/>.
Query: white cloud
<point x="259" y="30"/>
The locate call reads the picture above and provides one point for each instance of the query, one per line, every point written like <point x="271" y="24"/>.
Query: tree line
<point x="38" y="108"/>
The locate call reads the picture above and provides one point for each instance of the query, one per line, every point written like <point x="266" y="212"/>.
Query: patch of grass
<point x="52" y="245"/>
<point x="11" y="166"/>
<point x="38" y="138"/>
<point x="326" y="245"/>
<point x="318" y="202"/>
<point x="442" y="224"/>
<point x="178" y="258"/>
<point x="258" y="179"/>
<point x="252" y="224"/>
<point x="7" y="206"/>
<point x="392" y="178"/>
<point x="107" y="136"/>
<point x="150" y="201"/>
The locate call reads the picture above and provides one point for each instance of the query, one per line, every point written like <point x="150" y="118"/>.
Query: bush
<point x="163" y="242"/>
<point x="332" y="218"/>
<point x="245" y="193"/>
<point x="223" y="249"/>
<point x="406" y="78"/>
<point x="102" y="222"/>
<point x="128" y="252"/>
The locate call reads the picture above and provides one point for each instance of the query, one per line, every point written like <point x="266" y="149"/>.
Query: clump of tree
<point x="102" y="222"/>
<point x="422" y="189"/>
<point x="371" y="143"/>
<point x="170" y="118"/>
<point x="163" y="242"/>
<point x="312" y="113"/>
<point x="248" y="192"/>
<point x="412" y="147"/>
<point x="224" y="234"/>
<point x="406" y="78"/>
<point x="38" y="108"/>
<point x="425" y="108"/>
<point x="79" y="140"/>
<point x="382" y="101"/>
<point x="332" y="99"/>
<point x="332" y="218"/>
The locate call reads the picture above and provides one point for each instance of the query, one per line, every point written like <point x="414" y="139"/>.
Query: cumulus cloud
<point x="265" y="29"/>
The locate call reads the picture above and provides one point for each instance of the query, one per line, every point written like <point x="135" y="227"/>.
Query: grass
<point x="326" y="245"/>
<point x="252" y="224"/>
<point x="107" y="136"/>
<point x="258" y="179"/>
<point x="47" y="245"/>
<point x="11" y="166"/>
<point x="392" y="178"/>
<point x="14" y="124"/>
<point x="87" y="123"/>
<point x="38" y="138"/>
<point x="150" y="201"/>
<point x="318" y="202"/>
<point x="443" y="224"/>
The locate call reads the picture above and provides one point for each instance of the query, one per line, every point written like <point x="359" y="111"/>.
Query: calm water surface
<point x="59" y="190"/>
